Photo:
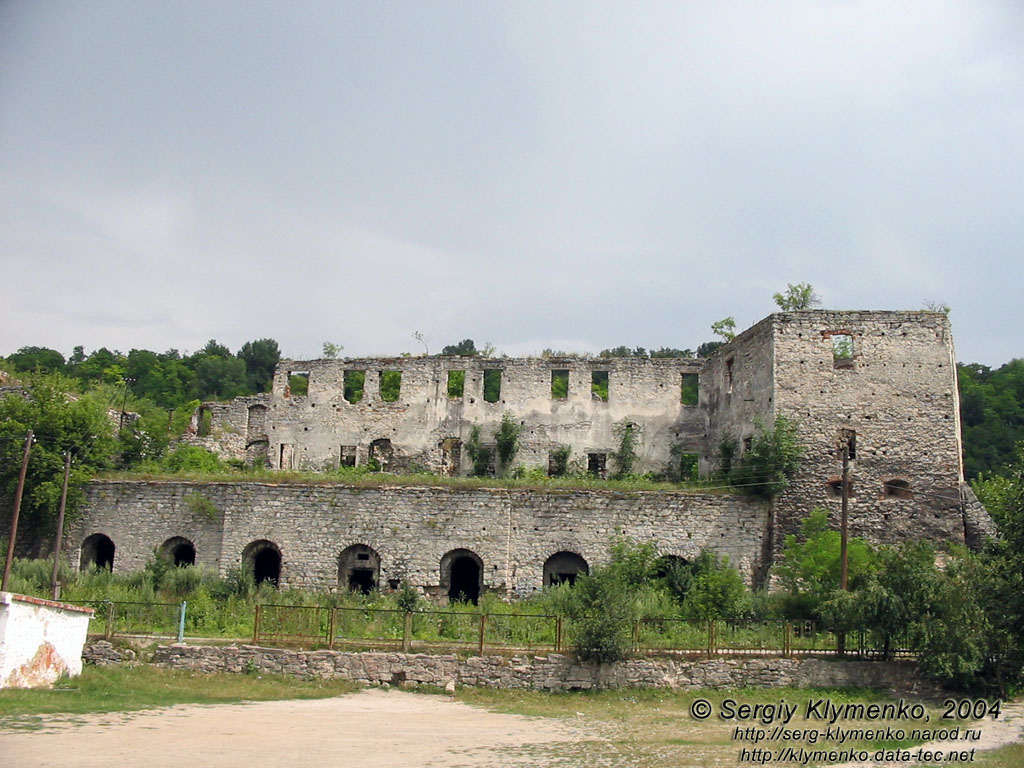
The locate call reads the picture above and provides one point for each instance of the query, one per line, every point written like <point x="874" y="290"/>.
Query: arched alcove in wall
<point x="564" y="567"/>
<point x="462" y="575"/>
<point x="180" y="550"/>
<point x="97" y="551"/>
<point x="263" y="559"/>
<point x="359" y="569"/>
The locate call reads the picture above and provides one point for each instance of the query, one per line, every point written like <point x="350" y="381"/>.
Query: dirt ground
<point x="382" y="728"/>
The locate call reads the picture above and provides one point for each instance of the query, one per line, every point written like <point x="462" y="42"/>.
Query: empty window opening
<point x="456" y="384"/>
<point x="381" y="454"/>
<point x="97" y="552"/>
<point x="287" y="456"/>
<point x="848" y="442"/>
<point x="180" y="551"/>
<point x="359" y="569"/>
<point x="451" y="456"/>
<point x="898" y="489"/>
<point x="597" y="464"/>
<point x="564" y="568"/>
<point x="748" y="443"/>
<point x="390" y="385"/>
<point x="462" y="576"/>
<point x="298" y="384"/>
<point x="204" y="422"/>
<point x="492" y="385"/>
<point x="558" y="461"/>
<point x="842" y="350"/>
<point x="353" y="382"/>
<point x="835" y="487"/>
<point x="347" y="457"/>
<point x="256" y="423"/>
<point x="691" y="391"/>
<point x="263" y="559"/>
<point x="559" y="385"/>
<point x="728" y="376"/>
<point x="687" y="467"/>
<point x="599" y="386"/>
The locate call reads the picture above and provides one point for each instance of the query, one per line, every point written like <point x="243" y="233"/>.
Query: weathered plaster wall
<point x="512" y="531"/>
<point x="40" y="640"/>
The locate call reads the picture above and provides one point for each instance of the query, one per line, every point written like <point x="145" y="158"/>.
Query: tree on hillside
<point x="465" y="348"/>
<point x="260" y="358"/>
<point x="41" y="359"/>
<point x="219" y="374"/>
<point x="797" y="297"/>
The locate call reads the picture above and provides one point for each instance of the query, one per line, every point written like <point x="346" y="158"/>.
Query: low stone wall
<point x="552" y="672"/>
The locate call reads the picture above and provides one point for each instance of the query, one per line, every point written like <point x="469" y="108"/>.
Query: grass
<point x="1010" y="756"/>
<point x="124" y="689"/>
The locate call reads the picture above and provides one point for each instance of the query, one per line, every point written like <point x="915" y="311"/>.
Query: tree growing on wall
<point x="506" y="437"/>
<point x="797" y="297"/>
<point x="725" y="329"/>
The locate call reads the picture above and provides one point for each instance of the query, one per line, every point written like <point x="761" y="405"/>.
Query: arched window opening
<point x="97" y="552"/>
<point x="359" y="569"/>
<point x="564" y="568"/>
<point x="263" y="559"/>
<point x="462" y="574"/>
<point x="180" y="551"/>
<point x="898" y="489"/>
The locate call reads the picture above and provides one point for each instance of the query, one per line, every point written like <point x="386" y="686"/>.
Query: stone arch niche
<point x="256" y="423"/>
<point x="262" y="558"/>
<point x="462" y="575"/>
<point x="359" y="569"/>
<point x="564" y="567"/>
<point x="180" y="551"/>
<point x="98" y="552"/>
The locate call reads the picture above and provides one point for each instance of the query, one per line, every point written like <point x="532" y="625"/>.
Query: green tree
<point x="725" y="328"/>
<point x="713" y="589"/>
<point x="506" y="437"/>
<point x="465" y="348"/>
<point x="627" y="434"/>
<point x="40" y="359"/>
<point x="261" y="358"/>
<point x="797" y="297"/>
<point x="79" y="425"/>
<point x="774" y="455"/>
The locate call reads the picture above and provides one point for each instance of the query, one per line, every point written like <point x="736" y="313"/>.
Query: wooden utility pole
<point x="60" y="526"/>
<point x="843" y="535"/>
<point x="17" y="510"/>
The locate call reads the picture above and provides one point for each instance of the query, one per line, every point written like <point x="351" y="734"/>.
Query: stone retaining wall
<point x="551" y="672"/>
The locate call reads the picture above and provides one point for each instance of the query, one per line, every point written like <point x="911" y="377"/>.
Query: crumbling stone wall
<point x="309" y="431"/>
<point x="232" y="430"/>
<point x="412" y="529"/>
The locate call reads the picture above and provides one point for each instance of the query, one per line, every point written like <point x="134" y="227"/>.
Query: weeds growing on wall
<point x="506" y="438"/>
<point x="627" y="434"/>
<point x="765" y="468"/>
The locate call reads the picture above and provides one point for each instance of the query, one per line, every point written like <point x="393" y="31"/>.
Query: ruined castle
<point x="880" y="386"/>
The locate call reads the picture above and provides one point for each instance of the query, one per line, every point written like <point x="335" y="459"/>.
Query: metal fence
<point x="474" y="632"/>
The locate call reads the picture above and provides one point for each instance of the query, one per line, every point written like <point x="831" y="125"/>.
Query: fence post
<point x="483" y="629"/>
<point x="110" y="621"/>
<point x="407" y="633"/>
<point x="636" y="635"/>
<point x="181" y="622"/>
<point x="558" y="634"/>
<point x="787" y="639"/>
<point x="330" y="628"/>
<point x="256" y="626"/>
<point x="712" y="640"/>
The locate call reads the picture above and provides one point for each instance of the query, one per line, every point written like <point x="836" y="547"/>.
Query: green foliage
<point x="797" y="297"/>
<point x="353" y="385"/>
<point x="60" y="424"/>
<point x="599" y="385"/>
<point x="559" y="385"/>
<point x="992" y="414"/>
<point x="191" y="458"/>
<point x="683" y="467"/>
<point x="456" y="383"/>
<point x="810" y="568"/>
<point x="725" y="329"/>
<point x="37" y="359"/>
<point x="465" y="348"/>
<point x="627" y="435"/>
<point x="479" y="455"/>
<point x="407" y="599"/>
<point x="492" y="385"/>
<point x="558" y="465"/>
<point x="774" y="455"/>
<point x="506" y="437"/>
<point x="260" y="357"/>
<point x="390" y="386"/>
<point x="332" y="351"/>
<point x="298" y="384"/>
<point x="713" y="589"/>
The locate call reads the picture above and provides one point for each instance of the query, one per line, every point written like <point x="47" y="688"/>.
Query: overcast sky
<point x="574" y="175"/>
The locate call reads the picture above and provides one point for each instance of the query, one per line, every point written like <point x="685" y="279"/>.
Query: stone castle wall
<point x="512" y="531"/>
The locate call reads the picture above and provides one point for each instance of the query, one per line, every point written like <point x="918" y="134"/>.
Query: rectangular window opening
<point x="597" y="464"/>
<point x="599" y="386"/>
<point x="456" y="384"/>
<point x="728" y="376"/>
<point x="298" y="384"/>
<point x="691" y="392"/>
<point x="492" y="385"/>
<point x="559" y="384"/>
<point x="558" y="461"/>
<point x="287" y="456"/>
<point x="689" y="467"/>
<point x="348" y="456"/>
<point x="848" y="441"/>
<point x="390" y="386"/>
<point x="354" y="381"/>
<point x="842" y="350"/>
